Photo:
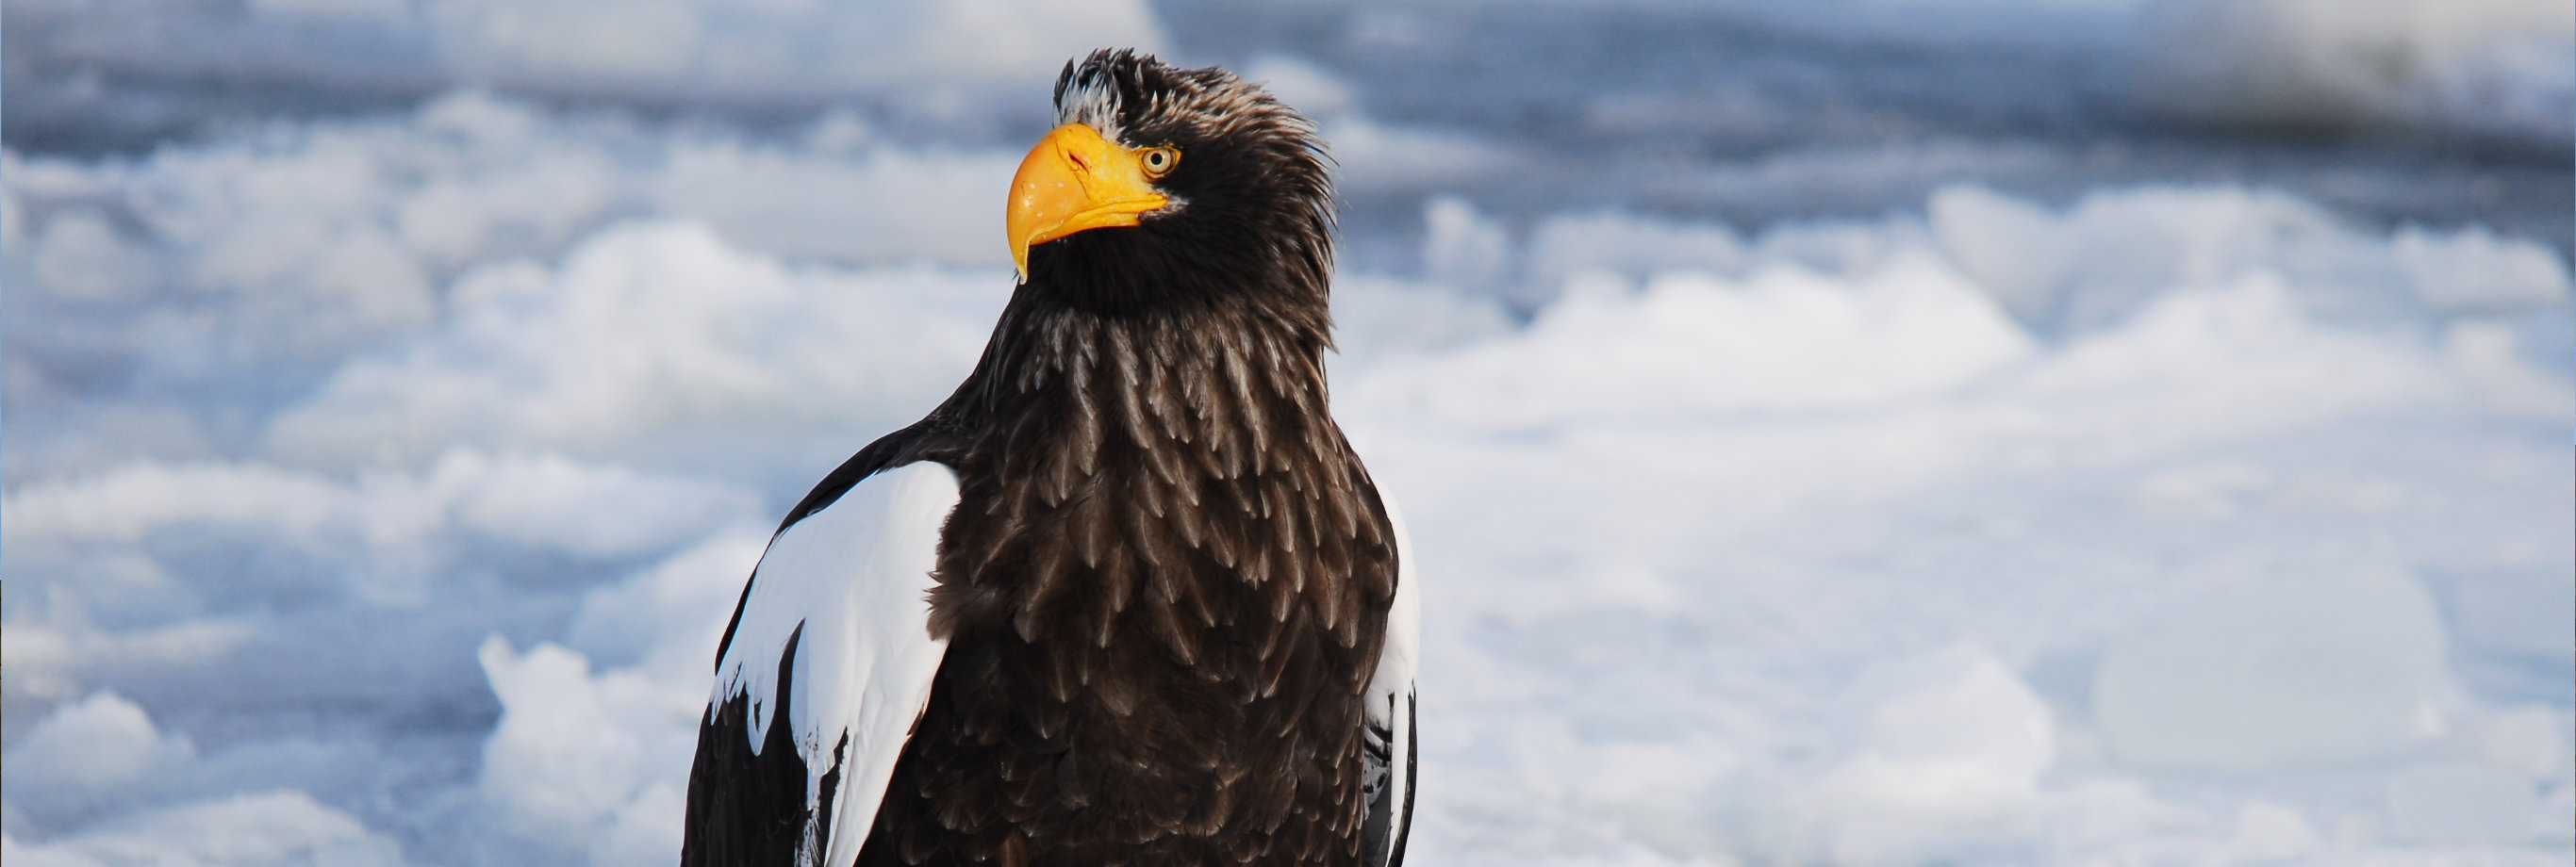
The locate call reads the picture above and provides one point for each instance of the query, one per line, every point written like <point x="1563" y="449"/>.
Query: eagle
<point x="1127" y="597"/>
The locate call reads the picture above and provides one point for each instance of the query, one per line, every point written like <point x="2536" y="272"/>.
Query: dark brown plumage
<point x="1166" y="582"/>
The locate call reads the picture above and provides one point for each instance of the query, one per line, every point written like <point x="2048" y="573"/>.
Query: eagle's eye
<point x="1159" y="161"/>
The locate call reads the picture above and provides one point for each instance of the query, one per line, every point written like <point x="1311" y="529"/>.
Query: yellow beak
<point x="1072" y="181"/>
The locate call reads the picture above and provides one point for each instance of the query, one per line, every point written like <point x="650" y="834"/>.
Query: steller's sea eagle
<point x="1126" y="597"/>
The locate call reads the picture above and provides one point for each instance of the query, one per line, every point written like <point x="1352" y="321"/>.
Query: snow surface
<point x="377" y="484"/>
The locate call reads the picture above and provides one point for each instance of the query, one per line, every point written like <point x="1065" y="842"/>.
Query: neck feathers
<point x="1136" y="446"/>
<point x="1233" y="393"/>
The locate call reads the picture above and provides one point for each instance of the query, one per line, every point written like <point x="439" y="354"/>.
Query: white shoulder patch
<point x="1389" y="705"/>
<point x="1394" y="680"/>
<point x="850" y="585"/>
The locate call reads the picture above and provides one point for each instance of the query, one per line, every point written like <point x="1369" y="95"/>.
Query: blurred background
<point x="1856" y="432"/>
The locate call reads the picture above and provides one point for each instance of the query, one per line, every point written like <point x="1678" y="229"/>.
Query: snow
<point x="1947" y="736"/>
<point x="2116" y="249"/>
<point x="247" y="830"/>
<point x="652" y="340"/>
<point x="2148" y="533"/>
<point x="377" y="483"/>
<point x="594" y="761"/>
<point x="2319" y="670"/>
<point x="96" y="745"/>
<point x="1689" y="345"/>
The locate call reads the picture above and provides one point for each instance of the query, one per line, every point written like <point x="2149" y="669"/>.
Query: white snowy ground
<point x="375" y="490"/>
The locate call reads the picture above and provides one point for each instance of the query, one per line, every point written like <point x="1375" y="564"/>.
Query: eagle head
<point x="1167" y="188"/>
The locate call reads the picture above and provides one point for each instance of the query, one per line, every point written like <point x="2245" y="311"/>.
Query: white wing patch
<point x="855" y="578"/>
<point x="1390" y="695"/>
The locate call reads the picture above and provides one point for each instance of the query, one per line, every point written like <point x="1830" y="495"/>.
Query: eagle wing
<point x="819" y="680"/>
<point x="1389" y="744"/>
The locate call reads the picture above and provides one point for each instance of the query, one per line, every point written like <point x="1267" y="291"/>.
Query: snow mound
<point x="243" y="272"/>
<point x="2098" y="261"/>
<point x="596" y="762"/>
<point x="93" y="747"/>
<point x="272" y="829"/>
<point x="657" y="342"/>
<point x="1950" y="736"/>
<point x="1563" y="246"/>
<point x="1784" y="339"/>
<point x="2060" y="271"/>
<point x="543" y="498"/>
<point x="2296" y="671"/>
